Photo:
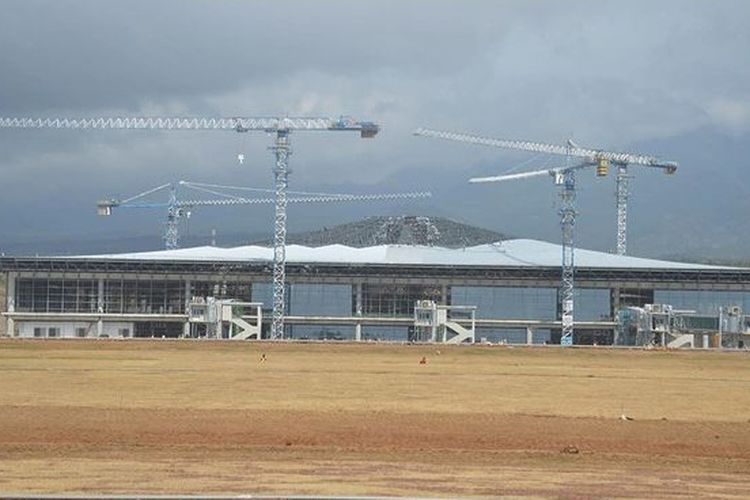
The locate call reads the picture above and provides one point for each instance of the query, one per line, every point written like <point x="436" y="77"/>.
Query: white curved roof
<point x="510" y="253"/>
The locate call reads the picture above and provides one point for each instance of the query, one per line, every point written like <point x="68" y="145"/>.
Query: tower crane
<point x="565" y="177"/>
<point x="279" y="127"/>
<point x="598" y="158"/>
<point x="178" y="208"/>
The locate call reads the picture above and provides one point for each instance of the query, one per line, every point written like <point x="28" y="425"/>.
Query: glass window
<point x="592" y="304"/>
<point x="388" y="333"/>
<point x="395" y="300"/>
<point x="55" y="295"/>
<point x="320" y="299"/>
<point x="508" y="302"/>
<point x="25" y="295"/>
<point x="241" y="291"/>
<point x="703" y="301"/>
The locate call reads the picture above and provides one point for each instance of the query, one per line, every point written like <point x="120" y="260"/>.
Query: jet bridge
<point x="663" y="325"/>
<point x="439" y="323"/>
<point x="225" y="319"/>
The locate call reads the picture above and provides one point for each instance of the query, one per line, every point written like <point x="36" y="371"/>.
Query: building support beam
<point x="188" y="298"/>
<point x="10" y="291"/>
<point x="358" y="311"/>
<point x="100" y="301"/>
<point x="614" y="302"/>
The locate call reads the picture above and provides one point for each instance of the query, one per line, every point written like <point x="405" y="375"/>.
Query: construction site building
<point x="341" y="292"/>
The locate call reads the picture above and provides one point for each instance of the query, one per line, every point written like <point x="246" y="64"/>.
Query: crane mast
<point x="565" y="177"/>
<point x="622" y="195"/>
<point x="171" y="235"/>
<point x="567" y="281"/>
<point x="282" y="150"/>
<point x="593" y="157"/>
<point x="281" y="127"/>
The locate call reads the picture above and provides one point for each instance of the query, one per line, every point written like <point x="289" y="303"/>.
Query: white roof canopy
<point x="510" y="253"/>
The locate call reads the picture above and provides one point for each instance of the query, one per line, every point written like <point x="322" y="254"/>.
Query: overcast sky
<point x="610" y="74"/>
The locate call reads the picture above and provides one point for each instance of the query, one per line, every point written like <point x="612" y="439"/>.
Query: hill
<point x="401" y="230"/>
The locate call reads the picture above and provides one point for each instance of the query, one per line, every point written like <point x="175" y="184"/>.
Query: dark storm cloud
<point x="104" y="54"/>
<point x="607" y="73"/>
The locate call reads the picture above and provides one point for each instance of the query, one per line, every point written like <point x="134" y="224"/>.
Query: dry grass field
<point x="205" y="417"/>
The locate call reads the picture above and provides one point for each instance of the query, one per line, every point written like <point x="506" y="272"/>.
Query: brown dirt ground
<point x="325" y="419"/>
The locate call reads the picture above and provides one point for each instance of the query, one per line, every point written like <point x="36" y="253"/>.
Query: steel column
<point x="358" y="311"/>
<point x="188" y="298"/>
<point x="171" y="228"/>
<point x="282" y="151"/>
<point x="623" y="192"/>
<point x="10" y="291"/>
<point x="567" y="285"/>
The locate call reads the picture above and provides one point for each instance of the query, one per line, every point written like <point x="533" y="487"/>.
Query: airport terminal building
<point x="341" y="292"/>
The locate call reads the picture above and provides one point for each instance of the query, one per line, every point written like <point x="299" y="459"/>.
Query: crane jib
<point x="592" y="155"/>
<point x="237" y="124"/>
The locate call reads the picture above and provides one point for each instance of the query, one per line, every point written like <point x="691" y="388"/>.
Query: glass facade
<point x="511" y="335"/>
<point x="320" y="300"/>
<point x="56" y="295"/>
<point x="159" y="296"/>
<point x="121" y="296"/>
<point x="241" y="291"/>
<point x="144" y="296"/>
<point x="508" y="302"/>
<point x="703" y="302"/>
<point x="530" y="303"/>
<point x="388" y="333"/>
<point x="396" y="300"/>
<point x="592" y="304"/>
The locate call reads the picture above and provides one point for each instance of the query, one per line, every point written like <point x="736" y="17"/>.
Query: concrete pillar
<point x="3" y="301"/>
<point x="529" y="335"/>
<point x="100" y="297"/>
<point x="288" y="329"/>
<point x="444" y="300"/>
<point x="358" y="311"/>
<point x="188" y="294"/>
<point x="435" y="320"/>
<point x="614" y="301"/>
<point x="10" y="291"/>
<point x="188" y="298"/>
<point x="100" y="307"/>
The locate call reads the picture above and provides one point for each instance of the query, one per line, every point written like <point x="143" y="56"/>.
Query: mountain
<point x="378" y="230"/>
<point x="401" y="230"/>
